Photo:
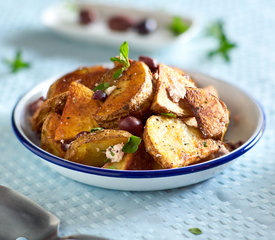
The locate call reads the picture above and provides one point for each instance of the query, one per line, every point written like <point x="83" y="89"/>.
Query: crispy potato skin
<point x="133" y="95"/>
<point x="90" y="149"/>
<point x="173" y="144"/>
<point x="211" y="114"/>
<point x="78" y="113"/>
<point x="88" y="76"/>
<point x="162" y="103"/>
<point x="47" y="135"/>
<point x="140" y="160"/>
<point x="212" y="90"/>
<point x="55" y="104"/>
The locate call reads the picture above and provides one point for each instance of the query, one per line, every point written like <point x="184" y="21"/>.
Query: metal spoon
<point x="21" y="218"/>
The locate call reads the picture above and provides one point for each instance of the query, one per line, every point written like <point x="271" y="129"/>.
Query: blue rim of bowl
<point x="140" y="173"/>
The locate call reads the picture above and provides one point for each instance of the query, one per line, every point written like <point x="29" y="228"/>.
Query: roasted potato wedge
<point x="90" y="149"/>
<point x="55" y="104"/>
<point x="47" y="135"/>
<point x="211" y="114"/>
<point x="78" y="113"/>
<point x="173" y="144"/>
<point x="140" y="160"/>
<point x="211" y="89"/>
<point x="132" y="96"/>
<point x="87" y="76"/>
<point x="168" y="80"/>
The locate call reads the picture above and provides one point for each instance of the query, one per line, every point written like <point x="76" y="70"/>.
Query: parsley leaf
<point x="96" y="129"/>
<point x="132" y="145"/>
<point x="169" y="115"/>
<point x="224" y="44"/>
<point x="195" y="231"/>
<point x="178" y="26"/>
<point x="102" y="86"/>
<point x="17" y="64"/>
<point x="123" y="58"/>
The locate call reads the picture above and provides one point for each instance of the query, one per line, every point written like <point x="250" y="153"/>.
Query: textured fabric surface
<point x="239" y="203"/>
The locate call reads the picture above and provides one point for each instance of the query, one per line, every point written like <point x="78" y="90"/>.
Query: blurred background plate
<point x="63" y="20"/>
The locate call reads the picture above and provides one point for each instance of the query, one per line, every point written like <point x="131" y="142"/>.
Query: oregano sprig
<point x="224" y="44"/>
<point x="123" y="58"/>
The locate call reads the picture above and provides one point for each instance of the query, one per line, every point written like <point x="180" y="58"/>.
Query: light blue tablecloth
<point x="236" y="204"/>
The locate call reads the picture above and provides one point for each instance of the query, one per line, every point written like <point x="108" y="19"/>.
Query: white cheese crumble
<point x="176" y="91"/>
<point x="109" y="90"/>
<point x="114" y="153"/>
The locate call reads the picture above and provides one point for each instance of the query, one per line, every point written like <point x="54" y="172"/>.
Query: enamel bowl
<point x="249" y="129"/>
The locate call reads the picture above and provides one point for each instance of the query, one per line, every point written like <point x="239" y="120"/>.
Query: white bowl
<point x="249" y="130"/>
<point x="58" y="19"/>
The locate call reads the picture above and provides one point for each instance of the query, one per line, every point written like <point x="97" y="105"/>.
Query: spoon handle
<point x="82" y="237"/>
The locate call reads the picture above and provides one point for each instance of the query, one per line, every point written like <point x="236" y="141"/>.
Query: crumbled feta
<point x="158" y="155"/>
<point x="176" y="91"/>
<point x="114" y="153"/>
<point x="109" y="90"/>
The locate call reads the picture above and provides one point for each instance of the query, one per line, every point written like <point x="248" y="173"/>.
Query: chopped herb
<point x="224" y="44"/>
<point x="118" y="73"/>
<point x="96" y="129"/>
<point x="123" y="58"/>
<point x="204" y="144"/>
<point x="186" y="144"/>
<point x="111" y="167"/>
<point x="169" y="115"/>
<point x="102" y="86"/>
<point x="178" y="26"/>
<point x="132" y="145"/>
<point x="112" y="153"/>
<point x="195" y="231"/>
<point x="17" y="64"/>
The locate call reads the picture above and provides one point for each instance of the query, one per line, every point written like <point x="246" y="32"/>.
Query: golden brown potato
<point x="55" y="104"/>
<point x="140" y="160"/>
<point x="190" y="122"/>
<point x="47" y="135"/>
<point x="132" y="96"/>
<point x="170" y="80"/>
<point x="107" y="77"/>
<point x="173" y="144"/>
<point x="90" y="149"/>
<point x="211" y="114"/>
<point x="211" y="89"/>
<point x="87" y="76"/>
<point x="78" y="113"/>
<point x="184" y="74"/>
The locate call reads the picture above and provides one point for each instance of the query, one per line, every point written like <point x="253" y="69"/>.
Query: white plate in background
<point x="65" y="22"/>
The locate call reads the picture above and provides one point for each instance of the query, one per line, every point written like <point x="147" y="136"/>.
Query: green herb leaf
<point x="102" y="86"/>
<point x="169" y="115"/>
<point x="118" y="73"/>
<point x="178" y="26"/>
<point x="96" y="129"/>
<point x="123" y="53"/>
<point x="204" y="144"/>
<point x="132" y="145"/>
<point x="112" y="153"/>
<point x="16" y="64"/>
<point x="111" y="167"/>
<point x="123" y="58"/>
<point x="195" y="231"/>
<point x="224" y="44"/>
